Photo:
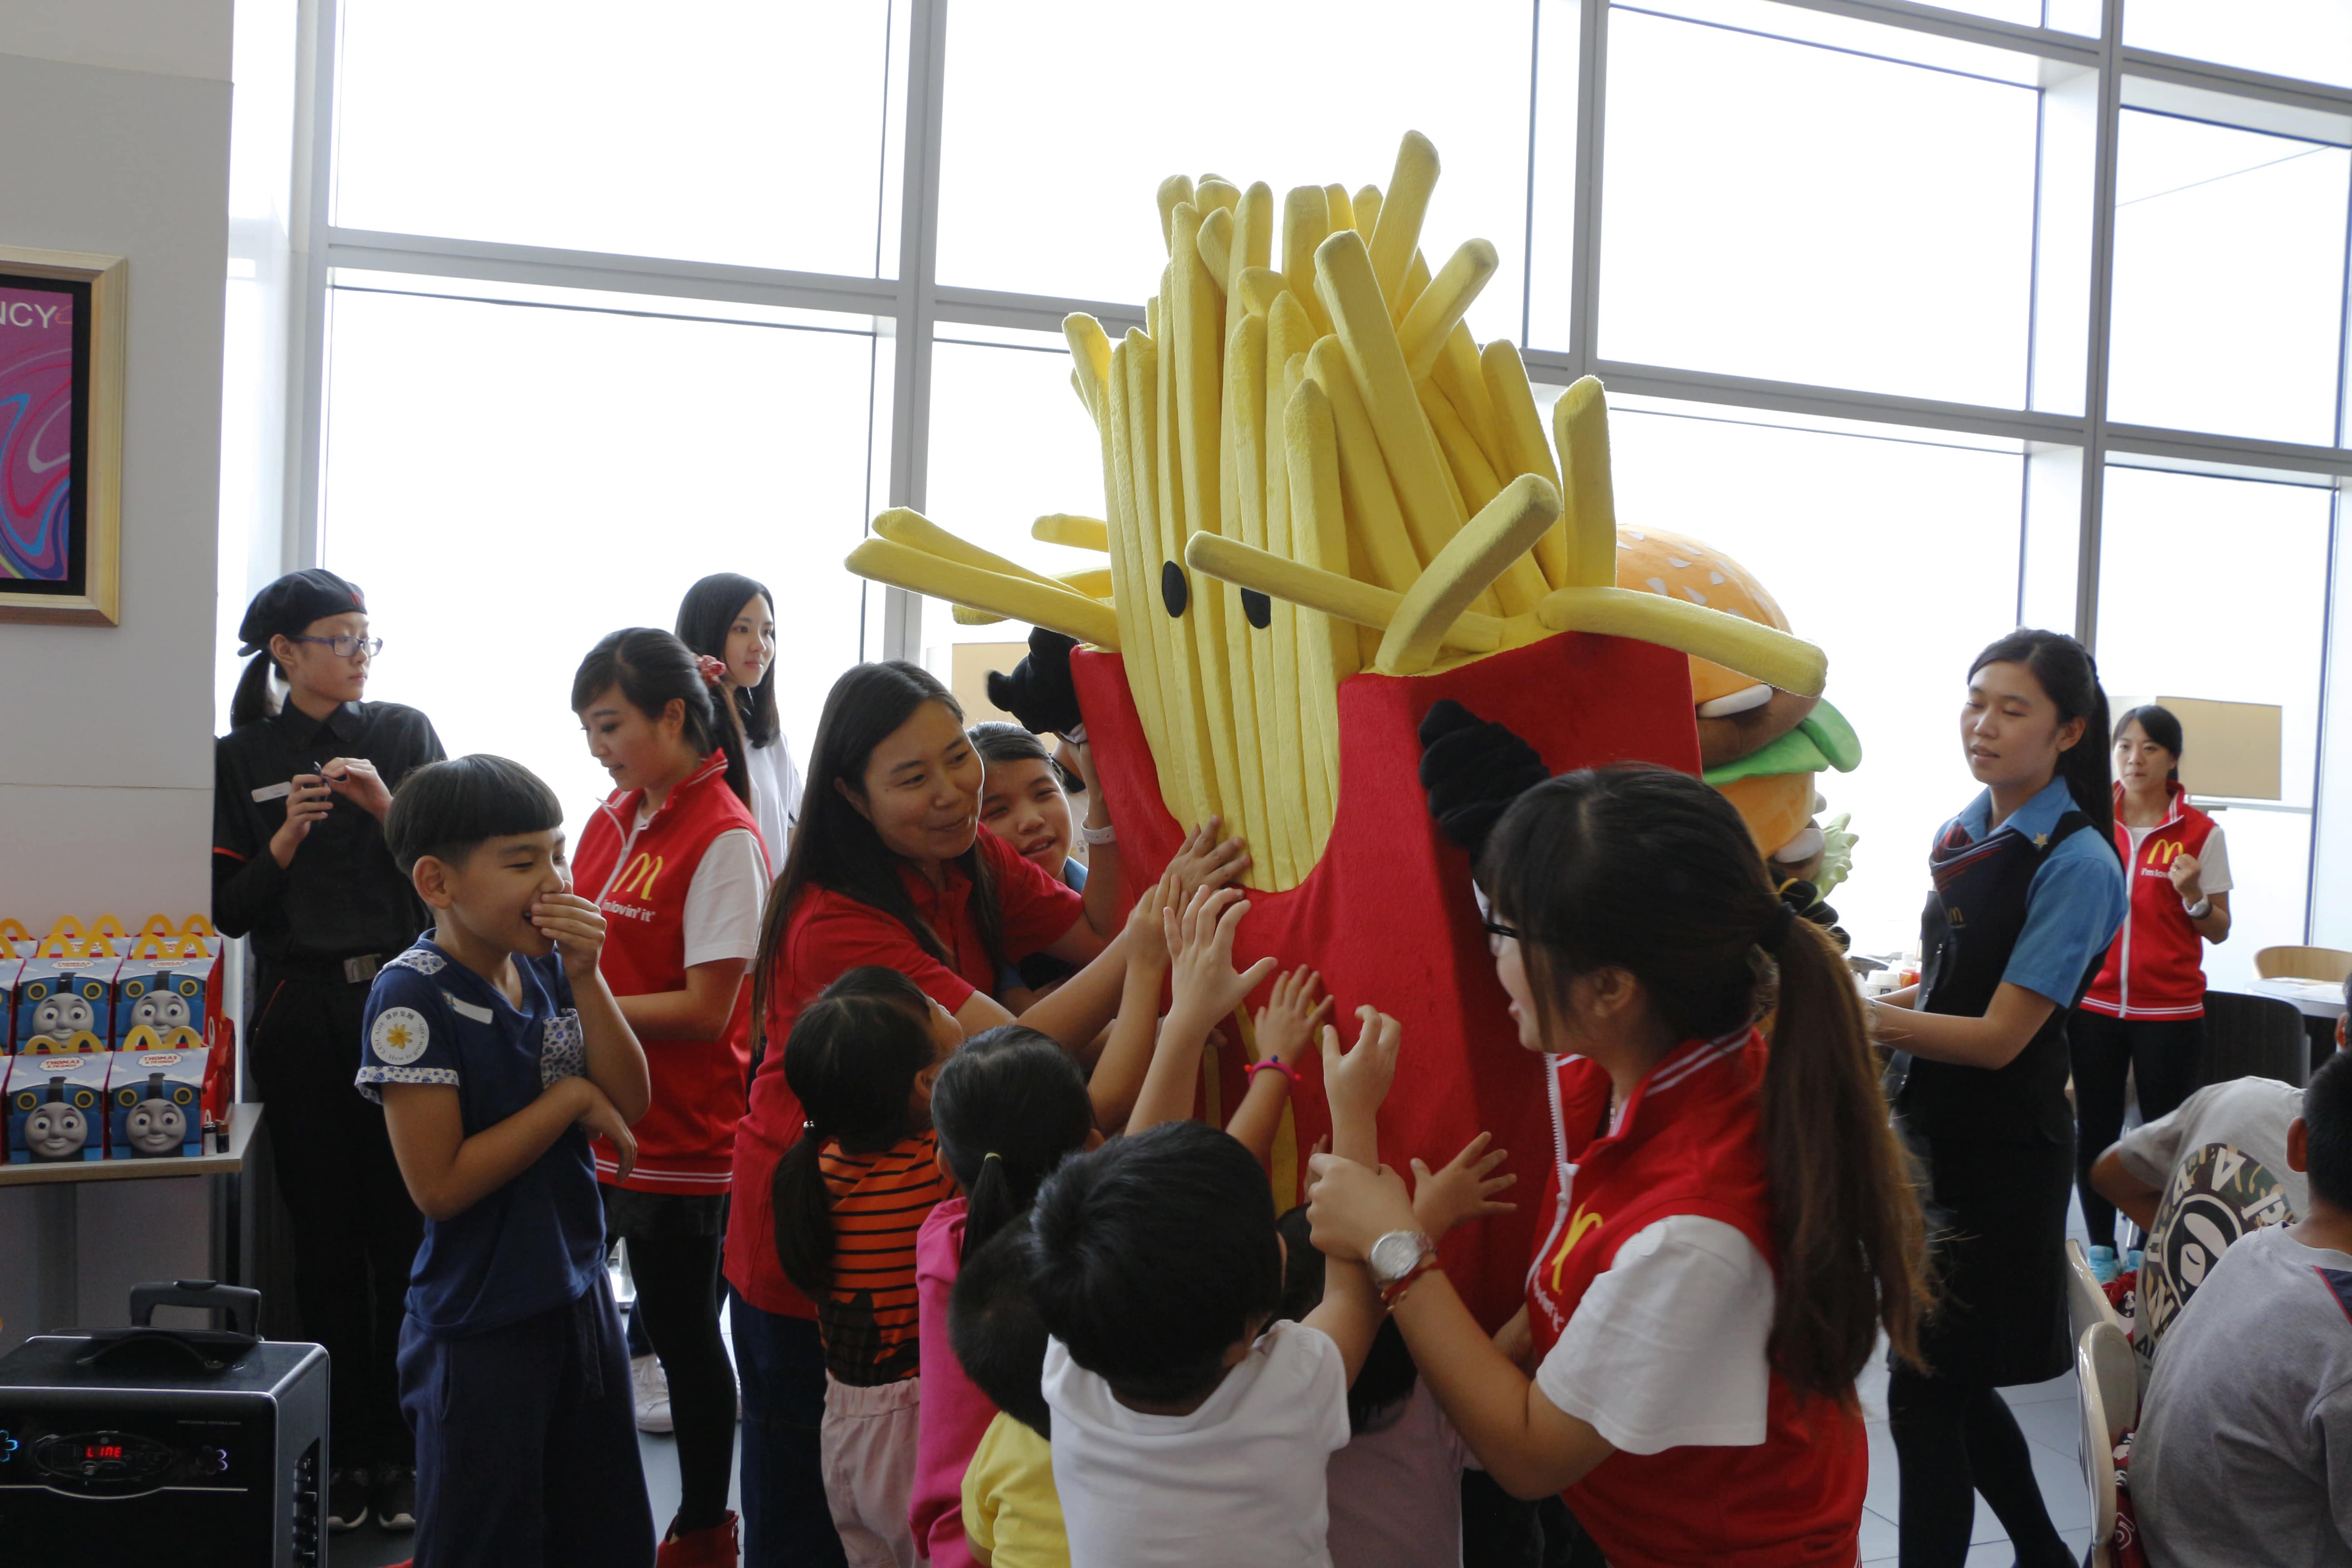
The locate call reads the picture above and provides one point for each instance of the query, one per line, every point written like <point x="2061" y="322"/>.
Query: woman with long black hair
<point x="2027" y="895"/>
<point x="1731" y="1224"/>
<point x="732" y="618"/>
<point x="889" y="865"/>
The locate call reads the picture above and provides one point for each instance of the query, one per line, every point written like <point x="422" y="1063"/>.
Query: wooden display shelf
<point x="243" y="1116"/>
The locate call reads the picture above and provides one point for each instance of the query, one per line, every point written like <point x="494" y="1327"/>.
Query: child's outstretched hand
<point x="1355" y="1084"/>
<point x="1147" y="932"/>
<point x="575" y="926"/>
<point x="1293" y="1012"/>
<point x="1462" y="1190"/>
<point x="1201" y="942"/>
<point x="1203" y="860"/>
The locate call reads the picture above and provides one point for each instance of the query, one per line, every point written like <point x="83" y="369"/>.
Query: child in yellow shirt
<point x="1011" y="1513"/>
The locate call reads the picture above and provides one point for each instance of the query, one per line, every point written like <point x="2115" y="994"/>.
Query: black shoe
<point x="396" y="1496"/>
<point x="347" y="1498"/>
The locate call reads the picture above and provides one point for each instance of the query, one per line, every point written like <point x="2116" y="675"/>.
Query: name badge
<point x="273" y="792"/>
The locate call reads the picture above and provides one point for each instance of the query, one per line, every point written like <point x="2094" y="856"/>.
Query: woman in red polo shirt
<point x="1732" y="1225"/>
<point x="888" y="865"/>
<point x="2145" y="1013"/>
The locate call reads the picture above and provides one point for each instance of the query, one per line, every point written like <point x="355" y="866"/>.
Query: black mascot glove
<point x="1039" y="691"/>
<point x="1804" y="900"/>
<point x="1472" y="770"/>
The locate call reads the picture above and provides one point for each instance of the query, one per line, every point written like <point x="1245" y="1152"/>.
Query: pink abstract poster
<point x="40" y="542"/>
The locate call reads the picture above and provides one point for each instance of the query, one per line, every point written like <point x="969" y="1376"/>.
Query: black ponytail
<point x="852" y="1060"/>
<point x="255" y="697"/>
<point x="2071" y="677"/>
<point x="1648" y="871"/>
<point x="1009" y="1107"/>
<point x="653" y="669"/>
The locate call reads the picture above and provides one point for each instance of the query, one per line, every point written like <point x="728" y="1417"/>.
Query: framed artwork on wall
<point x="61" y="367"/>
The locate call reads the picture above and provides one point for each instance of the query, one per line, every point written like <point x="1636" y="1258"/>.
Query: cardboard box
<point x="161" y="990"/>
<point x="15" y="942"/>
<point x="153" y="1105"/>
<point x="57" y="1108"/>
<point x="65" y="991"/>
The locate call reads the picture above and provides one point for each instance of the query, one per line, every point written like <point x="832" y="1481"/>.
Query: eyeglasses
<point x="1497" y="932"/>
<point x="345" y="646"/>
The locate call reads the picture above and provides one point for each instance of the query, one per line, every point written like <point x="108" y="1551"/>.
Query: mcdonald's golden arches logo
<point x="638" y="878"/>
<point x="2164" y="852"/>
<point x="1579" y="1223"/>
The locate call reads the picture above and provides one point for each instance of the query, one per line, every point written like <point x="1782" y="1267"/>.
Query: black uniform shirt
<point x="341" y="896"/>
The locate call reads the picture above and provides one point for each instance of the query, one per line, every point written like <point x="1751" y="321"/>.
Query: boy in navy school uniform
<point x="496" y="1050"/>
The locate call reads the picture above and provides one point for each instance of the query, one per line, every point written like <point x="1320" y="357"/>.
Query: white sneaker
<point x="650" y="1386"/>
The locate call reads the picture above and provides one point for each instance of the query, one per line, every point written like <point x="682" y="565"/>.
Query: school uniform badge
<point x="399" y="1036"/>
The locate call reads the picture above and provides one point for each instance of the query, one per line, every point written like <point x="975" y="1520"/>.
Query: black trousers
<point x="2161" y="1054"/>
<point x="355" y="1231"/>
<point x="674" y="1250"/>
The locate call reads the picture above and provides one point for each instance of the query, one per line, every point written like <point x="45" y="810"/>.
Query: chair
<point x="2252" y="1036"/>
<point x="2106" y="1383"/>
<point x="2303" y="963"/>
<point x="2086" y="1303"/>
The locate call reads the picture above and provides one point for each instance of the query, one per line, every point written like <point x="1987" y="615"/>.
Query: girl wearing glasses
<point x="301" y="783"/>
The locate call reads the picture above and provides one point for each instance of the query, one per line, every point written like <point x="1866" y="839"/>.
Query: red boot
<point x="713" y="1547"/>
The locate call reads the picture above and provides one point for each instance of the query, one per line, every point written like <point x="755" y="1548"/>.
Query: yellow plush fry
<point x="1313" y="588"/>
<point x="1474" y="557"/>
<point x="1094" y="582"/>
<point x="1397" y="233"/>
<point x="1459" y="375"/>
<point x="1375" y="525"/>
<point x="1416" y="279"/>
<point x="1759" y="652"/>
<point x="1259" y="285"/>
<point x="1343" y="275"/>
<point x="1298" y="748"/>
<point x="1306" y="220"/>
<point x="1522" y="585"/>
<point x="1193" y="344"/>
<point x="914" y="530"/>
<point x="1366" y="204"/>
<point x="1142" y="644"/>
<point x="1339" y="207"/>
<point x="1184" y="657"/>
<point x="1251" y="648"/>
<point x="1056" y="608"/>
<point x="1090" y="360"/>
<point x="1216" y="240"/>
<point x="1328" y="648"/>
<point x="1524" y="451"/>
<point x="1175" y="188"/>
<point x="1215" y="192"/>
<point x="1071" y="529"/>
<point x="1440" y="306"/>
<point x="1579" y="422"/>
<point x="1179" y="714"/>
<point x="1251" y="248"/>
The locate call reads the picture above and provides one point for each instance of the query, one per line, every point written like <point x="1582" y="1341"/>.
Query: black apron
<point x="1997" y="1145"/>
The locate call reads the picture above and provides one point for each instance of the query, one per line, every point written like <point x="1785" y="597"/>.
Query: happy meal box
<point x="57" y="1108"/>
<point x="65" y="989"/>
<point x="153" y="1105"/>
<point x="160" y="991"/>
<point x="15" y="942"/>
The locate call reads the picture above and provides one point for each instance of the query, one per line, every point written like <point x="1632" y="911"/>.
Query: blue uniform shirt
<point x="538" y="1242"/>
<point x="2075" y="905"/>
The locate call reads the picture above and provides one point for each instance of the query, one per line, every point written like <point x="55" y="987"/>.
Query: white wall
<point x="118" y="114"/>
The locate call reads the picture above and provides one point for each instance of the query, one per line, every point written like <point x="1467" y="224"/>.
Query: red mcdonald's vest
<point x="1688" y="1143"/>
<point x="639" y="877"/>
<point x="2156" y="967"/>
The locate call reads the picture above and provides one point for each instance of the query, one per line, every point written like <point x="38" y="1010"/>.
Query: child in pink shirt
<point x="1009" y="1107"/>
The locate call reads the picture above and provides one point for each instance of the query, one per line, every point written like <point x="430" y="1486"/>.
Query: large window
<point x="1937" y="317"/>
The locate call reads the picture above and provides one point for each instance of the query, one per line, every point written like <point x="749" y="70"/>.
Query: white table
<point x="2312" y="998"/>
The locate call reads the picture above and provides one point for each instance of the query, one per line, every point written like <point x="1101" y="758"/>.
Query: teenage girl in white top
<point x="732" y="618"/>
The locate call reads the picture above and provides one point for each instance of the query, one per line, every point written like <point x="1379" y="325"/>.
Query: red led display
<point x="102" y="1451"/>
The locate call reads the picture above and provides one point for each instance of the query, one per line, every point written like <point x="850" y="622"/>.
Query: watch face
<point x="1393" y="1256"/>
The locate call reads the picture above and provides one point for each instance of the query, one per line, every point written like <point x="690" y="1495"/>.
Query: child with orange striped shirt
<point x="850" y="1198"/>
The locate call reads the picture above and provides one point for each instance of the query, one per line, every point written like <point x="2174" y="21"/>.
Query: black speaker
<point x="144" y="1445"/>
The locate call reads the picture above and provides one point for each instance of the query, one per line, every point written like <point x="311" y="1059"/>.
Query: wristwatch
<point x="1396" y="1260"/>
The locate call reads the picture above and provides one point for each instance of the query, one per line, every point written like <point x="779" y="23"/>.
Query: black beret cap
<point x="293" y="603"/>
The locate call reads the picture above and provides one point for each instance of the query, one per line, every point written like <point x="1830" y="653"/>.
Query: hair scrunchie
<point x="712" y="671"/>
